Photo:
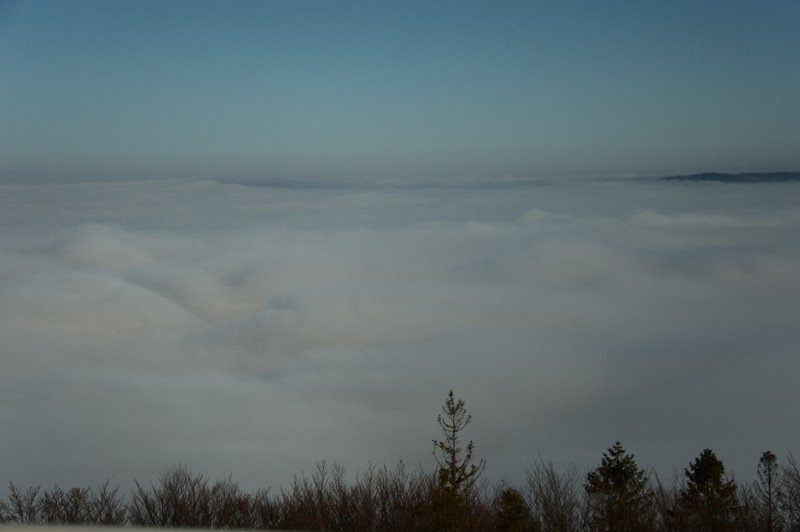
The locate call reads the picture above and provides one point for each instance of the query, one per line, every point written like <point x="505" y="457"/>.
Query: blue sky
<point x="409" y="89"/>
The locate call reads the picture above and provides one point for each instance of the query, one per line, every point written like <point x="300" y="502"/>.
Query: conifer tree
<point x="618" y="494"/>
<point x="456" y="473"/>
<point x="456" y="470"/>
<point x="709" y="498"/>
<point x="512" y="513"/>
<point x="769" y="491"/>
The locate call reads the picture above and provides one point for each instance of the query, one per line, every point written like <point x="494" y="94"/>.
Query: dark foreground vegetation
<point x="615" y="496"/>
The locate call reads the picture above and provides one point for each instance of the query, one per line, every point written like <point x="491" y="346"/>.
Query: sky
<point x="364" y="89"/>
<point x="249" y="236"/>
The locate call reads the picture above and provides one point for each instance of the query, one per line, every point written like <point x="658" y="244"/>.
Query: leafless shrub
<point x="230" y="508"/>
<point x="70" y="507"/>
<point x="791" y="494"/>
<point x="400" y="497"/>
<point x="179" y="500"/>
<point x="22" y="507"/>
<point x="669" y="513"/>
<point x="555" y="498"/>
<point x="265" y="511"/>
<point x="108" y="506"/>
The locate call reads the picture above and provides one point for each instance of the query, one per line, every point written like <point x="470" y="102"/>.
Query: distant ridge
<point x="749" y="177"/>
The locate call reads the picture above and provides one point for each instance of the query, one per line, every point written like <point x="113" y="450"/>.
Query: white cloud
<point x="701" y="220"/>
<point x="253" y="331"/>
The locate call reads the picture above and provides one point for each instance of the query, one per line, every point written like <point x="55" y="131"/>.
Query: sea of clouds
<point x="254" y="330"/>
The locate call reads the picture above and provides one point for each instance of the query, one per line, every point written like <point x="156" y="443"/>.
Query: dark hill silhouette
<point x="748" y="177"/>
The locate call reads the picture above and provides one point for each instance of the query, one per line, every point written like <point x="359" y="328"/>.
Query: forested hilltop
<point x="751" y="177"/>
<point x="617" y="495"/>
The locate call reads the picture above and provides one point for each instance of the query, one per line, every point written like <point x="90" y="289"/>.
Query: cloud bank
<point x="253" y="330"/>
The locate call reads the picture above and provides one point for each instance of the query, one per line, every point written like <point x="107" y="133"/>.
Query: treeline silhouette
<point x="617" y="495"/>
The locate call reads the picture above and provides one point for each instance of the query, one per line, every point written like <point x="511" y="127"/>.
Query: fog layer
<point x="253" y="330"/>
